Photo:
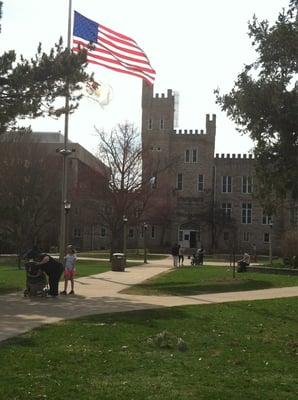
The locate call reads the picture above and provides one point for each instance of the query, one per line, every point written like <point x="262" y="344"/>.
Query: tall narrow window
<point x="77" y="232"/>
<point x="200" y="183"/>
<point x="179" y="182"/>
<point x="247" y="184"/>
<point x="246" y="213"/>
<point x="187" y="156"/>
<point x="246" y="236"/>
<point x="153" y="182"/>
<point x="131" y="233"/>
<point x="161" y="124"/>
<point x="294" y="216"/>
<point x="150" y="123"/>
<point x="226" y="184"/>
<point x="266" y="237"/>
<point x="267" y="219"/>
<point x="194" y="156"/>
<point x="152" y="232"/>
<point x="227" y="208"/>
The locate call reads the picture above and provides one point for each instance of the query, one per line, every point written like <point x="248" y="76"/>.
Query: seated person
<point x="244" y="262"/>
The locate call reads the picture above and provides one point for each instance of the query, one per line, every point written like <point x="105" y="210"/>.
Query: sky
<point x="195" y="47"/>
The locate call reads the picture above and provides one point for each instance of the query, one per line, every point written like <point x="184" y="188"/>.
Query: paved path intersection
<point x="98" y="294"/>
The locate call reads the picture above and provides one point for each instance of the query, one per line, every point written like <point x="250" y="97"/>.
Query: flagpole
<point x="65" y="153"/>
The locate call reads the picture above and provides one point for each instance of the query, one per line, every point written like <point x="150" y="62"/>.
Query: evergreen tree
<point x="264" y="105"/>
<point x="30" y="88"/>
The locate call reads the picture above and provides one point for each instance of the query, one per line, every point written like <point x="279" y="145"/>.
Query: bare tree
<point x="121" y="151"/>
<point x="132" y="174"/>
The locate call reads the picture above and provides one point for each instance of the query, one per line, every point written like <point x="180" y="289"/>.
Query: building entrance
<point x="189" y="238"/>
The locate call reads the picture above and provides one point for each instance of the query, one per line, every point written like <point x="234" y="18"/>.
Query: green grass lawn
<point x="241" y="350"/>
<point x="13" y="279"/>
<point x="209" y="279"/>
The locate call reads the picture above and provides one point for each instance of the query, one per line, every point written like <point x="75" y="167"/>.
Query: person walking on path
<point x="175" y="254"/>
<point x="181" y="256"/>
<point x="69" y="269"/>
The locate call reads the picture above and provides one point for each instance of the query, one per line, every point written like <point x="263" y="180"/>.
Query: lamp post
<point x="67" y="207"/>
<point x="124" y="219"/>
<point x="270" y="244"/>
<point x="145" y="227"/>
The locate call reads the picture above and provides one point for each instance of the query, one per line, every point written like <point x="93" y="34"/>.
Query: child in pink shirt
<point x="69" y="268"/>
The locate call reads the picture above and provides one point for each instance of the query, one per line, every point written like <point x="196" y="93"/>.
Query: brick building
<point x="86" y="180"/>
<point x="209" y="199"/>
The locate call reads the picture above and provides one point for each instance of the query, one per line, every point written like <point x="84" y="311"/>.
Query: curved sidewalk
<point x="98" y="294"/>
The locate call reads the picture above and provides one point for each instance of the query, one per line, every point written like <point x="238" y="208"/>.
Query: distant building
<point x="200" y="198"/>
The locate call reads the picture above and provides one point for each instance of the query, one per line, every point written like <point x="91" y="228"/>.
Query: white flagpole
<point x="65" y="153"/>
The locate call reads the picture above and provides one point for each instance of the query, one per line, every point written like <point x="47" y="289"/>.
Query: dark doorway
<point x="193" y="239"/>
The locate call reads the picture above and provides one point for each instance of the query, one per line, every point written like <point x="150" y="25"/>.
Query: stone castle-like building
<point x="200" y="198"/>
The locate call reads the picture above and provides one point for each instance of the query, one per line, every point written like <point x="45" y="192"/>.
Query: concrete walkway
<point x="99" y="294"/>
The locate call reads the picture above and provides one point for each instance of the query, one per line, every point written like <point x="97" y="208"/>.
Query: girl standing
<point x="69" y="268"/>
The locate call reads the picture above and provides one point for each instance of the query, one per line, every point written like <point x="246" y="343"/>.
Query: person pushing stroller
<point x="50" y="266"/>
<point x="198" y="257"/>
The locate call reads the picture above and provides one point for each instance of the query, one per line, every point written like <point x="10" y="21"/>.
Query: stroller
<point x="36" y="281"/>
<point x="196" y="260"/>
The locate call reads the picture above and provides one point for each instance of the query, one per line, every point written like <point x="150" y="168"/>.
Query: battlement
<point x="189" y="132"/>
<point x="234" y="156"/>
<point x="163" y="96"/>
<point x="211" y="120"/>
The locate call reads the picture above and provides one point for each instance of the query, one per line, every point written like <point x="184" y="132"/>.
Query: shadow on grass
<point x="23" y="341"/>
<point x="5" y="291"/>
<point x="183" y="288"/>
<point x="36" y="311"/>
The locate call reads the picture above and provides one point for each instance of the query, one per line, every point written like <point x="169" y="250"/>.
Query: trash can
<point x="118" y="262"/>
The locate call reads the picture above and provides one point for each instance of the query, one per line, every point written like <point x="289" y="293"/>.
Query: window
<point x="246" y="213"/>
<point x="200" y="183"/>
<point x="150" y="123"/>
<point x="77" y="232"/>
<point x="180" y="236"/>
<point x="161" y="124"/>
<point x="27" y="163"/>
<point x="194" y="155"/>
<point x="294" y="216"/>
<point x="187" y="156"/>
<point x="131" y="233"/>
<point x="227" y="208"/>
<point x="179" y="182"/>
<point x="226" y="236"/>
<point x="267" y="219"/>
<point x="103" y="232"/>
<point x="153" y="182"/>
<point x="246" y="184"/>
<point x="266" y="237"/>
<point x="152" y="232"/>
<point x="246" y="236"/>
<point x="226" y="184"/>
<point x="191" y="155"/>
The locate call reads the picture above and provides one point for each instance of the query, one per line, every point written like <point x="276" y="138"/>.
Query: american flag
<point x="110" y="49"/>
